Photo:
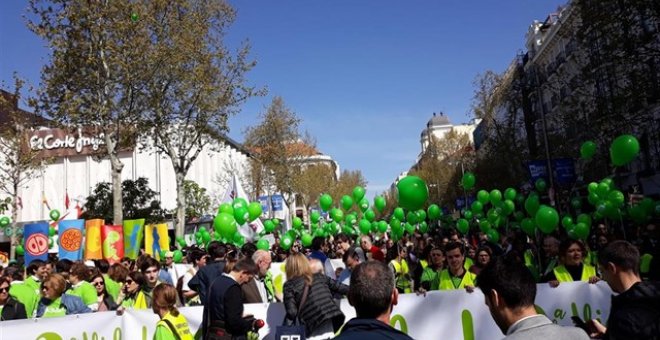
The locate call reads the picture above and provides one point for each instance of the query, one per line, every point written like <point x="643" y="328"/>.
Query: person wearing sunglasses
<point x="129" y="291"/>
<point x="55" y="303"/>
<point x="104" y="299"/>
<point x="10" y="309"/>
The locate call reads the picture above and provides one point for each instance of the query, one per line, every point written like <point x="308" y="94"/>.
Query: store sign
<point x="59" y="142"/>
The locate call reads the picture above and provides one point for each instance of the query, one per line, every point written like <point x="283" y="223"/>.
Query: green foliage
<point x="139" y="202"/>
<point x="198" y="203"/>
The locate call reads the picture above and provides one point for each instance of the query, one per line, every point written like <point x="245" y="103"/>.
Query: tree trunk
<point x="14" y="241"/>
<point x="180" y="204"/>
<point x="117" y="198"/>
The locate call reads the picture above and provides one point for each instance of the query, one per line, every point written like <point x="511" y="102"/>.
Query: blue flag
<point x="70" y="239"/>
<point x="35" y="242"/>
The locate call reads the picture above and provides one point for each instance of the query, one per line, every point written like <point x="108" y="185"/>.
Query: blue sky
<point x="365" y="76"/>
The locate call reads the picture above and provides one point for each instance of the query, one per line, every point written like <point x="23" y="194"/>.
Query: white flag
<point x="235" y="190"/>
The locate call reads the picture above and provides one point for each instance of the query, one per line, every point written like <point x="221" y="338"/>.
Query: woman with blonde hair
<point x="172" y="324"/>
<point x="308" y="298"/>
<point x="55" y="303"/>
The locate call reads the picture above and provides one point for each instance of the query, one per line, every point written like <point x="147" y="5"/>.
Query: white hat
<point x="90" y="263"/>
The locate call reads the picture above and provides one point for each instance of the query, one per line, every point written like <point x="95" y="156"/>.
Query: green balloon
<point x="51" y="231"/>
<point x="463" y="226"/>
<point x="541" y="185"/>
<point x="395" y="223"/>
<point x="380" y="203"/>
<point x="365" y="226"/>
<point x="263" y="244"/>
<point x="423" y="227"/>
<point x="350" y="219"/>
<point x="364" y="204"/>
<point x="286" y="242"/>
<point x="358" y="193"/>
<point x="484" y="226"/>
<point x="508" y="207"/>
<point x="241" y="214"/>
<point x="240" y="202"/>
<point x="226" y="208"/>
<point x="617" y="198"/>
<point x="54" y="215"/>
<point x="399" y="214"/>
<point x="177" y="256"/>
<point x="591" y="187"/>
<point x="584" y="218"/>
<point x="483" y="196"/>
<point x="337" y="215"/>
<point x="510" y="194"/>
<point x="315" y="216"/>
<point x="588" y="150"/>
<point x="225" y="225"/>
<point x="370" y="215"/>
<point x="581" y="230"/>
<point x="239" y="240"/>
<point x="306" y="239"/>
<point x="269" y="226"/>
<point x="624" y="149"/>
<point x="493" y="235"/>
<point x="468" y="180"/>
<point x="421" y="215"/>
<point x="4" y="221"/>
<point x="346" y="202"/>
<point x="276" y="222"/>
<point x="410" y="229"/>
<point x="477" y="207"/>
<point x="325" y="202"/>
<point x="297" y="222"/>
<point x="603" y="190"/>
<point x="434" y="212"/>
<point x="411" y="217"/>
<point x="382" y="226"/>
<point x="567" y="222"/>
<point x="413" y="192"/>
<point x="206" y="237"/>
<point x="547" y="219"/>
<point x="19" y="250"/>
<point x="528" y="226"/>
<point x="495" y="196"/>
<point x="135" y="17"/>
<point x="532" y="205"/>
<point x="467" y="214"/>
<point x="254" y="211"/>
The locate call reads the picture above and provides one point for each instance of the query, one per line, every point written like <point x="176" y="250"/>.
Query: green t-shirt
<point x="112" y="286"/>
<point x="85" y="291"/>
<point x="34" y="284"/>
<point x="55" y="309"/>
<point x="25" y="295"/>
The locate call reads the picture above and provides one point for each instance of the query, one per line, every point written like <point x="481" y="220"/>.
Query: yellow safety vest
<point x="562" y="274"/>
<point x="446" y="282"/>
<point x="424" y="263"/>
<point x="468" y="263"/>
<point x="180" y="325"/>
<point x="401" y="270"/>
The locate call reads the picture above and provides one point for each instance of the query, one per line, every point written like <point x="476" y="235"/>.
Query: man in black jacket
<point x="207" y="274"/>
<point x="373" y="294"/>
<point x="223" y="314"/>
<point x="635" y="312"/>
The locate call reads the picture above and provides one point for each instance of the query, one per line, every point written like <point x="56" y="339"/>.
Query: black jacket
<point x="225" y="304"/>
<point x="13" y="310"/>
<point x="319" y="306"/>
<point x="370" y="329"/>
<point x="204" y="278"/>
<point x="635" y="313"/>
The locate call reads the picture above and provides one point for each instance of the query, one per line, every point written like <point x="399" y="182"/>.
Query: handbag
<point x="297" y="330"/>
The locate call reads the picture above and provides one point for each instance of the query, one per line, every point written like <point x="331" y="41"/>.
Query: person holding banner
<point x="572" y="268"/>
<point x="104" y="300"/>
<point x="509" y="289"/>
<point x="130" y="290"/>
<point x="55" y="303"/>
<point x="172" y="324"/>
<point x="456" y="276"/>
<point x="430" y="279"/>
<point x="398" y="254"/>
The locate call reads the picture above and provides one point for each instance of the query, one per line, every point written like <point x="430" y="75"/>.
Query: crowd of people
<point x="223" y="277"/>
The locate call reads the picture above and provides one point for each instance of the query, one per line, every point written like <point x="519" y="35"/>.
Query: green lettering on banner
<point x="540" y="310"/>
<point x="144" y="333"/>
<point x="49" y="336"/>
<point x="559" y="314"/>
<point x="574" y="309"/>
<point x="403" y="326"/>
<point x="468" y="325"/>
<point x="117" y="334"/>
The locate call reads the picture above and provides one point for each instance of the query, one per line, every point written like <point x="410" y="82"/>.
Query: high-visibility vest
<point x="446" y="283"/>
<point x="645" y="263"/>
<point x="424" y="263"/>
<point x="468" y="263"/>
<point x="180" y="325"/>
<point x="562" y="274"/>
<point x="400" y="272"/>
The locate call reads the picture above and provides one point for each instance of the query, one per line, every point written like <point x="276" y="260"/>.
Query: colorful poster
<point x="134" y="232"/>
<point x="93" y="250"/>
<point x="35" y="240"/>
<point x="113" y="243"/>
<point x="156" y="239"/>
<point x="70" y="239"/>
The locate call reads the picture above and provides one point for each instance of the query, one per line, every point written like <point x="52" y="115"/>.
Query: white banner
<point x="438" y="315"/>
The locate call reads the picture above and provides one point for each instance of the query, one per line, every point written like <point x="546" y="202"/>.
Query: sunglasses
<point x="128" y="282"/>
<point x="4" y="290"/>
<point x="98" y="283"/>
